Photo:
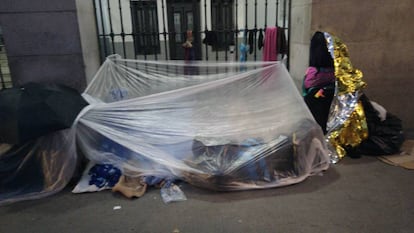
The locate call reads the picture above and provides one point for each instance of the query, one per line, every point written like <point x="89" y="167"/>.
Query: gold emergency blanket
<point x="347" y="126"/>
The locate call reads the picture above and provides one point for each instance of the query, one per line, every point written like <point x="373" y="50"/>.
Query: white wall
<point x="300" y="39"/>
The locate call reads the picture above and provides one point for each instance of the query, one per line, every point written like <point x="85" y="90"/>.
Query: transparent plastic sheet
<point x="172" y="193"/>
<point x="223" y="126"/>
<point x="38" y="168"/>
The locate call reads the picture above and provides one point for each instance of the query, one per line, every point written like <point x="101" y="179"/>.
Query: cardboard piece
<point x="404" y="159"/>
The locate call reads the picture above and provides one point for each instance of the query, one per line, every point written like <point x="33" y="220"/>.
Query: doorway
<point x="183" y="16"/>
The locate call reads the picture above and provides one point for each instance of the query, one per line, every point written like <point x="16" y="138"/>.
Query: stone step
<point x="4" y="68"/>
<point x="4" y="64"/>
<point x="6" y="84"/>
<point x="6" y="77"/>
<point x="3" y="56"/>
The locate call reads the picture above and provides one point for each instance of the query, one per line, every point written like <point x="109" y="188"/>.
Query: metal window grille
<point x="155" y="29"/>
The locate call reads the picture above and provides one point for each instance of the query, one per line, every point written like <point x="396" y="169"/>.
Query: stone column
<point x="43" y="42"/>
<point x="300" y="39"/>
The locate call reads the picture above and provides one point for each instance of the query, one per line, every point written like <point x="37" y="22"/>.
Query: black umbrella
<point x="33" y="110"/>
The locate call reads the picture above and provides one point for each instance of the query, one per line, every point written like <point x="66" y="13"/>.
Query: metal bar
<point x="236" y="47"/>
<point x="175" y="33"/>
<point x="103" y="29"/>
<point x="255" y="28"/>
<point x="111" y="34"/>
<point x="165" y="32"/>
<point x="154" y="36"/>
<point x="265" y="21"/>
<point x="284" y="14"/>
<point x="171" y="30"/>
<point x="122" y="27"/>
<point x="97" y="31"/>
<point x="218" y="33"/>
<point x="205" y="26"/>
<point x="216" y="29"/>
<point x="245" y="24"/>
<point x="196" y="33"/>
<point x="133" y="8"/>
<point x="143" y="34"/>
<point x="277" y="13"/>
<point x="288" y="40"/>
<point x="226" y="29"/>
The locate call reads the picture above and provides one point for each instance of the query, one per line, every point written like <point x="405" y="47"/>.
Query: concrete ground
<point x="355" y="195"/>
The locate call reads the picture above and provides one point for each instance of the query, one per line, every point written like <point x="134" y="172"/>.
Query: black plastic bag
<point x="385" y="137"/>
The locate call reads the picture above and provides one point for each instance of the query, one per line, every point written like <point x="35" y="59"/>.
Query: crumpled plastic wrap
<point x="346" y="126"/>
<point x="38" y="168"/>
<point x="222" y="126"/>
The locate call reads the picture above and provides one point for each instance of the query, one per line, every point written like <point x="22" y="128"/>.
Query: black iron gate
<point x="158" y="29"/>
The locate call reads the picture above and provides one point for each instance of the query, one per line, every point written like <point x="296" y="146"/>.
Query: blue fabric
<point x="243" y="52"/>
<point x="104" y="175"/>
<point x="258" y="166"/>
<point x="107" y="145"/>
<point x="118" y="94"/>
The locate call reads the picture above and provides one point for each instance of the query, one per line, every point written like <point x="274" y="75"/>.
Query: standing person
<point x="189" y="54"/>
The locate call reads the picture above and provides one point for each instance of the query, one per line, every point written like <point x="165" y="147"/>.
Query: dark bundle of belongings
<point x="232" y="166"/>
<point x="37" y="144"/>
<point x="221" y="163"/>
<point x="385" y="136"/>
<point x="33" y="110"/>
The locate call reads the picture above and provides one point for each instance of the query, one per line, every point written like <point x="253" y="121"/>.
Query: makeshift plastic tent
<point x="223" y="126"/>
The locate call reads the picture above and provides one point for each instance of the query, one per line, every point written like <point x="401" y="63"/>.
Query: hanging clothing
<point x="260" y="40"/>
<point x="281" y="41"/>
<point x="244" y="48"/>
<point x="269" y="48"/>
<point x="211" y="38"/>
<point x="252" y="34"/>
<point x="243" y="52"/>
